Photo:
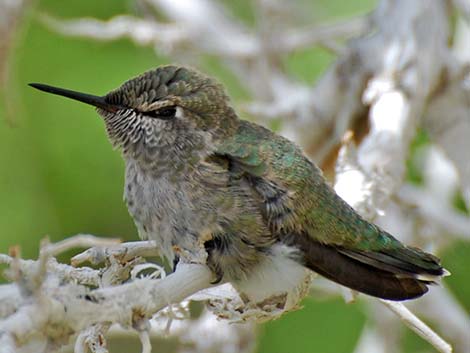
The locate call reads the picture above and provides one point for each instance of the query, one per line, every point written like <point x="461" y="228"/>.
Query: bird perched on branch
<point x="195" y="171"/>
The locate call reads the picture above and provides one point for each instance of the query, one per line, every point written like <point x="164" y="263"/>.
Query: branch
<point x="140" y="31"/>
<point x="449" y="316"/>
<point x="308" y="37"/>
<point x="12" y="13"/>
<point x="74" y="309"/>
<point x="124" y="252"/>
<point x="51" y="302"/>
<point x="57" y="302"/>
<point x="455" y="224"/>
<point x="418" y="326"/>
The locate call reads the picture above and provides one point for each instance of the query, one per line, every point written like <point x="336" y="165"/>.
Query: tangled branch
<point x="48" y="303"/>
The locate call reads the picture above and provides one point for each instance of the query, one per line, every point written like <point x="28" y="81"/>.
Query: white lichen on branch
<point x="52" y="303"/>
<point x="64" y="302"/>
<point x="83" y="304"/>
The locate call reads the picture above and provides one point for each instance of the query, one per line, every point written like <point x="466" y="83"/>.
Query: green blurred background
<point x="59" y="175"/>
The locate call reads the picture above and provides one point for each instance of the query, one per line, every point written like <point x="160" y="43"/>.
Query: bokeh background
<point x="59" y="175"/>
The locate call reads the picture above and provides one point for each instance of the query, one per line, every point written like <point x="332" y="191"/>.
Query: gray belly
<point x="164" y="211"/>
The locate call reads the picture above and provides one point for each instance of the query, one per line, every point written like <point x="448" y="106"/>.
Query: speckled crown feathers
<point x="186" y="87"/>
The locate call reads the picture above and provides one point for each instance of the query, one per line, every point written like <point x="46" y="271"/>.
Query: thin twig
<point x="124" y="252"/>
<point x="417" y="326"/>
<point x="145" y="340"/>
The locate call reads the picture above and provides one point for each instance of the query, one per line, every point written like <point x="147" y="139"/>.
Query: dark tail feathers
<point x="384" y="275"/>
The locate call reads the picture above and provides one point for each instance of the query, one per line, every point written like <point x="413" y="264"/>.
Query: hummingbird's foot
<point x="176" y="260"/>
<point x="219" y="275"/>
<point x="218" y="279"/>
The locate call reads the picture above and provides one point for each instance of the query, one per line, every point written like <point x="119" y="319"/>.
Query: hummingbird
<point x="196" y="172"/>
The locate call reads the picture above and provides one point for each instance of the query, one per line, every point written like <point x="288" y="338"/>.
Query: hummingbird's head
<point x="169" y="109"/>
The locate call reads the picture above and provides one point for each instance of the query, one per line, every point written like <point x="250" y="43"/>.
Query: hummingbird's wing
<point x="303" y="210"/>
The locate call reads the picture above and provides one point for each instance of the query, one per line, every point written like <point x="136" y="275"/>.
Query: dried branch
<point x="124" y="252"/>
<point x="455" y="224"/>
<point x="50" y="302"/>
<point x="76" y="308"/>
<point x="418" y="326"/>
<point x="308" y="37"/>
<point x="448" y="316"/>
<point x="11" y="15"/>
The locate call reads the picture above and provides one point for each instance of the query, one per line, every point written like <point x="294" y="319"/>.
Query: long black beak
<point x="96" y="101"/>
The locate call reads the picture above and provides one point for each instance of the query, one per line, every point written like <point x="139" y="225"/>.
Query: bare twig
<point x="418" y="326"/>
<point x="124" y="252"/>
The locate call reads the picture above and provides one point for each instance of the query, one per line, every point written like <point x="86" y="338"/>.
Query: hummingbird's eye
<point x="165" y="113"/>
